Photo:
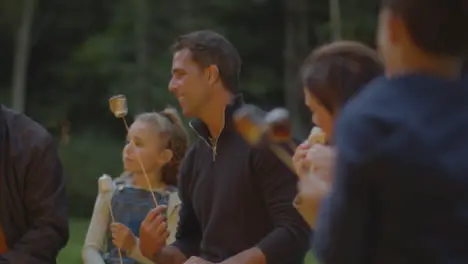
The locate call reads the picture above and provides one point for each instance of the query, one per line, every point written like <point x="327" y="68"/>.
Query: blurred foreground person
<point x="236" y="199"/>
<point x="33" y="201"/>
<point x="400" y="193"/>
<point x="331" y="75"/>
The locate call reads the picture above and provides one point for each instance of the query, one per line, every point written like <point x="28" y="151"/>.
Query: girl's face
<point x="320" y="115"/>
<point x="144" y="142"/>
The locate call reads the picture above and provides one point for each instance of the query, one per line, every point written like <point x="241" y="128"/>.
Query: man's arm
<point x="345" y="227"/>
<point x="189" y="234"/>
<point x="289" y="240"/>
<point x="188" y="238"/>
<point x="46" y="208"/>
<point x="169" y="255"/>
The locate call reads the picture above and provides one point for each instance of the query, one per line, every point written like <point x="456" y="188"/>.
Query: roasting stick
<point x="118" y="106"/>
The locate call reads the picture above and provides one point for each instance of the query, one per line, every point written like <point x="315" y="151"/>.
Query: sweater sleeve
<point x="189" y="233"/>
<point x="290" y="237"/>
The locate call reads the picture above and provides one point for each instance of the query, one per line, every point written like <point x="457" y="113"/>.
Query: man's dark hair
<point x="436" y="26"/>
<point x="210" y="48"/>
<point x="336" y="72"/>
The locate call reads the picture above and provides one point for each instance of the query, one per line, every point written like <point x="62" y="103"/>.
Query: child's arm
<point x="94" y="241"/>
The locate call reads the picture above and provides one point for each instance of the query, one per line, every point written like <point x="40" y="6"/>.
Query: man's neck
<point x="444" y="67"/>
<point x="214" y="114"/>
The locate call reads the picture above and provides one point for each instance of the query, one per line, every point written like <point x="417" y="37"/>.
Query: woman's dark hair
<point x="171" y="129"/>
<point x="335" y="72"/>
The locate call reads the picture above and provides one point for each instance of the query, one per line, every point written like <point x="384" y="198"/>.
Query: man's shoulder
<point x="24" y="129"/>
<point x="373" y="97"/>
<point x="187" y="164"/>
<point x="192" y="149"/>
<point x="369" y="120"/>
<point x="378" y="100"/>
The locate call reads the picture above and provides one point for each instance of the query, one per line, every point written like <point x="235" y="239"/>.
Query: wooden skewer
<point x="118" y="106"/>
<point x="283" y="155"/>
<point x="292" y="145"/>
<point x="141" y="165"/>
<point x="113" y="221"/>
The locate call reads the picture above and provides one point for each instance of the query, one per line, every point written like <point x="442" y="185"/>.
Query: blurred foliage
<point x="82" y="52"/>
<point x="85" y="159"/>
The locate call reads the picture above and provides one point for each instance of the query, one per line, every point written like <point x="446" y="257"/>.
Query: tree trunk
<point x="335" y="20"/>
<point x="21" y="59"/>
<point x="296" y="49"/>
<point x="142" y="54"/>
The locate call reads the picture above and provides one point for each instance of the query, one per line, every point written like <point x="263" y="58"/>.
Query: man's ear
<point x="212" y="74"/>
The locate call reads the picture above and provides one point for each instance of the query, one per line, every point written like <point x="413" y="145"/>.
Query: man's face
<point x="189" y="83"/>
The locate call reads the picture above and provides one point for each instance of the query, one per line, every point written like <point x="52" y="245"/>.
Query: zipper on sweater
<point x="214" y="143"/>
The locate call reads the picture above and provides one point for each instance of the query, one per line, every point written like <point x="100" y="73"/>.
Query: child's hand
<point x="300" y="163"/>
<point x="122" y="237"/>
<point x="316" y="182"/>
<point x="311" y="190"/>
<point x="322" y="159"/>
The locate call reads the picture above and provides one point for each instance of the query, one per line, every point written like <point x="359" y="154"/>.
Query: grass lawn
<point x="71" y="254"/>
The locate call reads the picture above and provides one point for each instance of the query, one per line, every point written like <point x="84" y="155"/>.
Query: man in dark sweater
<point x="236" y="200"/>
<point x="33" y="202"/>
<point x="401" y="188"/>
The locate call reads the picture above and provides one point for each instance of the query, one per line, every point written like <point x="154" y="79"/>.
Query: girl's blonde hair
<point x="171" y="129"/>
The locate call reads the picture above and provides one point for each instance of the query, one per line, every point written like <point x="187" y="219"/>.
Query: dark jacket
<point x="235" y="197"/>
<point x="33" y="202"/>
<point x="401" y="188"/>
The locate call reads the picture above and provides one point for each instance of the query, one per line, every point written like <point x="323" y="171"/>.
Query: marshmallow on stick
<point x="272" y="128"/>
<point x="316" y="136"/>
<point x="118" y="106"/>
<point x="106" y="186"/>
<point x="248" y="121"/>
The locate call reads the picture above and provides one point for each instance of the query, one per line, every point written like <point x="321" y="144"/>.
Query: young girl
<point x="331" y="75"/>
<point x="159" y="142"/>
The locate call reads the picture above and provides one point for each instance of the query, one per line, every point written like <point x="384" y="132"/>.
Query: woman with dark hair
<point x="331" y="76"/>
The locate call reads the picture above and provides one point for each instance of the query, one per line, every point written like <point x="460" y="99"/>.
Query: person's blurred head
<point x="160" y="142"/>
<point x="425" y="36"/>
<point x="334" y="73"/>
<point x="205" y="64"/>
